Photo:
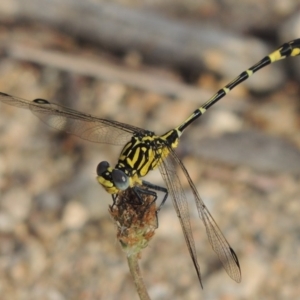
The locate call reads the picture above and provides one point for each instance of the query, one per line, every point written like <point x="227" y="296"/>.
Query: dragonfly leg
<point x="157" y="188"/>
<point x="114" y="198"/>
<point x="142" y="191"/>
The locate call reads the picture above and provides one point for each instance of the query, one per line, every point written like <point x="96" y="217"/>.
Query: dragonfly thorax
<point x="143" y="153"/>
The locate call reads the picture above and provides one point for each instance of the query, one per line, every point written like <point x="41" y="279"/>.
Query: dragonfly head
<point x="113" y="180"/>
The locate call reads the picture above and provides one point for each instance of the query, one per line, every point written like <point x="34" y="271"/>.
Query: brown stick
<point x="137" y="277"/>
<point x="104" y="70"/>
<point x="156" y="37"/>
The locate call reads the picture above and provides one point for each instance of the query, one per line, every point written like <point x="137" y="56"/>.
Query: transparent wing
<point x="168" y="171"/>
<point x="217" y="240"/>
<point x="71" y="121"/>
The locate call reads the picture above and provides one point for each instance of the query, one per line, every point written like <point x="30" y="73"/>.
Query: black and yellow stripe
<point x="291" y="48"/>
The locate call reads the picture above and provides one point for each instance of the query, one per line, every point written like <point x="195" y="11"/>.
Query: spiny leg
<point x="159" y="189"/>
<point x="142" y="191"/>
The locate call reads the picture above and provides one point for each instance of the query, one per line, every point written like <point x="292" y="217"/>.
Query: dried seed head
<point x="136" y="220"/>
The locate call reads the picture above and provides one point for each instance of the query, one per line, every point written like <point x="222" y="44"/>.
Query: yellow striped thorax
<point x="143" y="153"/>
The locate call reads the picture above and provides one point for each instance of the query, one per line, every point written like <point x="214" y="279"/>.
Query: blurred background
<point x="150" y="64"/>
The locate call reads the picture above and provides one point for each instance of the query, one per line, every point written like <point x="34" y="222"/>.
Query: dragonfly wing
<point x="216" y="238"/>
<point x="168" y="171"/>
<point x="71" y="121"/>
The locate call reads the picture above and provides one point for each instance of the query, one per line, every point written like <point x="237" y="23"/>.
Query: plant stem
<point x="137" y="277"/>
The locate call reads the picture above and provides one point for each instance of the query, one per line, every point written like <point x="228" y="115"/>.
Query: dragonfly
<point x="144" y="151"/>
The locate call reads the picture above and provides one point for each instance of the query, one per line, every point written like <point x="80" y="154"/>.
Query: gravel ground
<point x="57" y="240"/>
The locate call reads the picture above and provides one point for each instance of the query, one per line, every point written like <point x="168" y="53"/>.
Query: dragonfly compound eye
<point x="120" y="179"/>
<point x="102" y="167"/>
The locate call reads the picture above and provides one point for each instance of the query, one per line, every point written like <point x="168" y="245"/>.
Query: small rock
<point x="75" y="215"/>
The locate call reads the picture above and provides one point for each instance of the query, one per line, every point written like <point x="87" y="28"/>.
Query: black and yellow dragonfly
<point x="144" y="151"/>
